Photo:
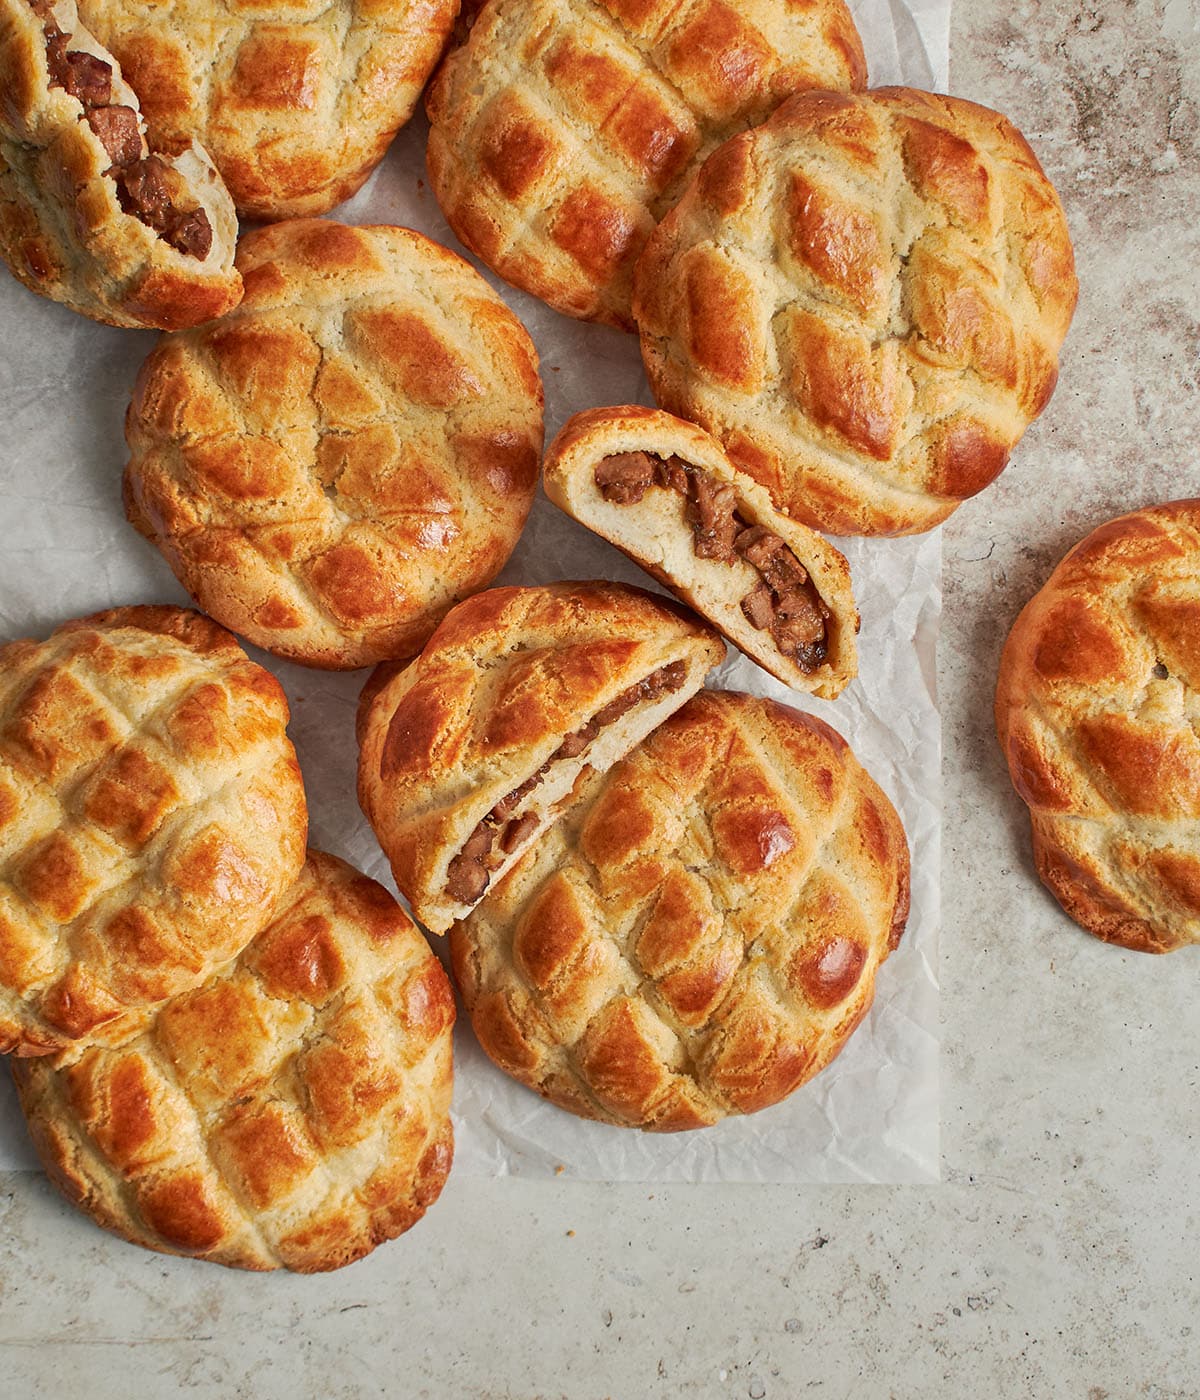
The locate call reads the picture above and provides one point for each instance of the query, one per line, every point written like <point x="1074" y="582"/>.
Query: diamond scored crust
<point x="296" y="102"/>
<point x="1098" y="714"/>
<point x="700" y="933"/>
<point x="864" y="300"/>
<point x="331" y="467"/>
<point x="292" y="1112"/>
<point x="561" y="130"/>
<point x="151" y="815"/>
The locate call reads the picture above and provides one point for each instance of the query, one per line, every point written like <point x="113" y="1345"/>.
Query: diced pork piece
<point x="625" y="477"/>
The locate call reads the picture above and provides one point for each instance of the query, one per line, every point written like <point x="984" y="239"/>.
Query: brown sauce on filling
<point x="496" y="836"/>
<point x="147" y="188"/>
<point x="785" y="602"/>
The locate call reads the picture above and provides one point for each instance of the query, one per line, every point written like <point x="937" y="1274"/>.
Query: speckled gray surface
<point x="1058" y="1256"/>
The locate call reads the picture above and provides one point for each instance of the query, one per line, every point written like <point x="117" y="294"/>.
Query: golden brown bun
<point x="331" y="467"/>
<point x="296" y="102"/>
<point x="151" y="815"/>
<point x="656" y="533"/>
<point x="1096" y="711"/>
<point x="505" y="679"/>
<point x="864" y="300"/>
<point x="562" y="130"/>
<point x="63" y="230"/>
<point x="291" y="1113"/>
<point x="700" y="934"/>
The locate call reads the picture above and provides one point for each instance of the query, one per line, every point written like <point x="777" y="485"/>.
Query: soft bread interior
<point x="657" y="534"/>
<point x="557" y="778"/>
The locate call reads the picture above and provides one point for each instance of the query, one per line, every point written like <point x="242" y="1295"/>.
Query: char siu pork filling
<point x="147" y="188"/>
<point x="498" y="834"/>
<point x="785" y="602"/>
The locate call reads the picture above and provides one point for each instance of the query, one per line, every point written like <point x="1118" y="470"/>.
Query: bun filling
<point x="147" y="187"/>
<point x="500" y="833"/>
<point x="785" y="602"/>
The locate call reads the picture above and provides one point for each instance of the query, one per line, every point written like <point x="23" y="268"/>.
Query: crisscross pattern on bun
<point x="1098" y="714"/>
<point x="293" y="1112"/>
<point x="480" y="723"/>
<point x="864" y="299"/>
<point x="297" y="100"/>
<point x="561" y="130"/>
<point x="151" y="815"/>
<point x="355" y="449"/>
<point x="700" y="933"/>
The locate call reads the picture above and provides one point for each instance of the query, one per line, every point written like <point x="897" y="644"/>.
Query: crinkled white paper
<point x="66" y="550"/>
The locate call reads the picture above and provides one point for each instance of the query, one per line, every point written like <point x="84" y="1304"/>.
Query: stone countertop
<point x="1058" y="1256"/>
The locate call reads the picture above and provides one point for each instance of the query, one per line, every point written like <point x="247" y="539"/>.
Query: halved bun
<point x="655" y="527"/>
<point x="470" y="752"/>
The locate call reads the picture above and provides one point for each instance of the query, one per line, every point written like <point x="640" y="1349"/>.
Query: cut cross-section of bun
<point x="470" y="752"/>
<point x="90" y="215"/>
<point x="664" y="492"/>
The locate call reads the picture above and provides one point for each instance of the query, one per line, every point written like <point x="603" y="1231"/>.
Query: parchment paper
<point x="66" y="550"/>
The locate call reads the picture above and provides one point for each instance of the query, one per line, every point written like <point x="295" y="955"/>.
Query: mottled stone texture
<point x="1058" y="1257"/>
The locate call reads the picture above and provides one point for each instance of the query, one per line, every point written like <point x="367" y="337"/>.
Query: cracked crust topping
<point x="518" y="693"/>
<point x="351" y="452"/>
<point x="297" y="101"/>
<point x="91" y="214"/>
<point x="700" y="934"/>
<point x="864" y="300"/>
<point x="1098" y="714"/>
<point x="562" y="130"/>
<point x="293" y="1112"/>
<point x="151" y="815"/>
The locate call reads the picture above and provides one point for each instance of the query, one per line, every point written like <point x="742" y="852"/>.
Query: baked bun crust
<point x="74" y="158"/>
<point x="700" y="933"/>
<point x="291" y="1113"/>
<point x="355" y="449"/>
<point x="296" y="101"/>
<point x="663" y="528"/>
<point x="864" y="300"/>
<point x="151" y="815"/>
<point x="470" y="752"/>
<point x="561" y="131"/>
<point x="1096" y="709"/>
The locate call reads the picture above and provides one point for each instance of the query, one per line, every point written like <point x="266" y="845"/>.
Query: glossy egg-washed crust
<point x="331" y="467"/>
<point x="662" y="541"/>
<point x="296" y="101"/>
<point x="151" y="816"/>
<point x="700" y="934"/>
<point x="562" y="130"/>
<point x="864" y="299"/>
<point x="1098" y="714"/>
<point x="291" y="1113"/>
<point x="505" y="678"/>
<point x="63" y="232"/>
